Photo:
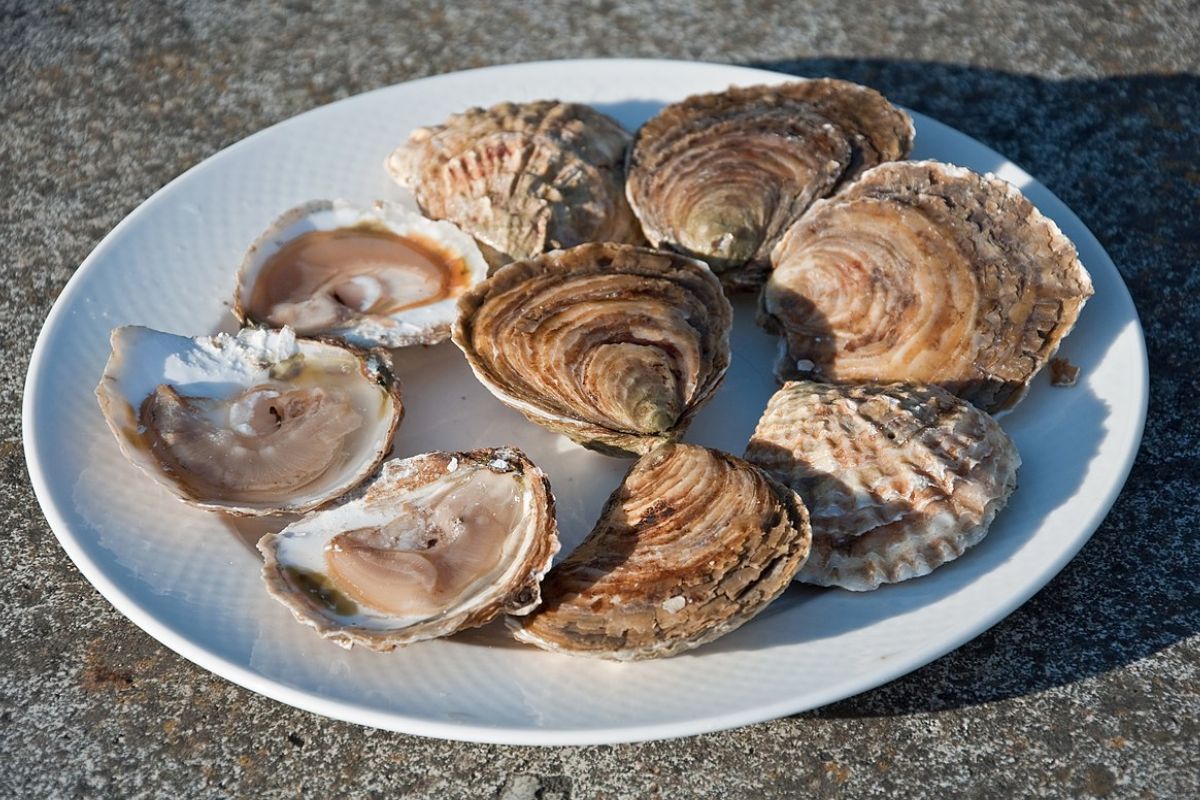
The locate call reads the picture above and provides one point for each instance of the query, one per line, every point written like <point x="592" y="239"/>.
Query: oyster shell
<point x="257" y="423"/>
<point x="898" y="479"/>
<point x="523" y="178"/>
<point x="928" y="273"/>
<point x="379" y="277"/>
<point x="692" y="544"/>
<point x="433" y="544"/>
<point x="721" y="176"/>
<point x="612" y="345"/>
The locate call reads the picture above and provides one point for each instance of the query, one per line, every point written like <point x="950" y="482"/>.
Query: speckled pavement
<point x="1090" y="690"/>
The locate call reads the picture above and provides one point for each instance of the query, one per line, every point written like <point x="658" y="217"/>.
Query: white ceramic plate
<point x="191" y="579"/>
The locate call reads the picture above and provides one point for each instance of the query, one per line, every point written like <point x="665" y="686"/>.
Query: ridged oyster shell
<point x="260" y="422"/>
<point x="612" y="345"/>
<point x="377" y="277"/>
<point x="522" y="178"/>
<point x="433" y="544"/>
<point x="898" y="479"/>
<point x="924" y="272"/>
<point x="692" y="544"/>
<point x="721" y="176"/>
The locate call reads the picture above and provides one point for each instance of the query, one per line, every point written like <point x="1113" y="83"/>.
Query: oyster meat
<point x="721" y="176"/>
<point x="433" y="544"/>
<point x="522" y="178"/>
<point x="927" y="273"/>
<point x="378" y="277"/>
<point x="614" y="346"/>
<point x="257" y="423"/>
<point x="898" y="478"/>
<point x="692" y="544"/>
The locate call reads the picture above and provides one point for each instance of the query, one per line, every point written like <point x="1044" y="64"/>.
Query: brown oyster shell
<point x="924" y="272"/>
<point x="523" y="178"/>
<point x="898" y="479"/>
<point x="721" y="176"/>
<point x="692" y="544"/>
<point x="612" y="345"/>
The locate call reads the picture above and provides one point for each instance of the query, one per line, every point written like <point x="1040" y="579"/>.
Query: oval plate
<point x="191" y="579"/>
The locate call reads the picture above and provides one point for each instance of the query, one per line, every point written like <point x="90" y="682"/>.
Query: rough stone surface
<point x="1090" y="690"/>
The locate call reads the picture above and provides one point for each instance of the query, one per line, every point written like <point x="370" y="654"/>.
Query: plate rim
<point x="478" y="732"/>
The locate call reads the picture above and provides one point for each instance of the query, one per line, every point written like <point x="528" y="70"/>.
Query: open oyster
<point x="692" y="544"/>
<point x="379" y="277"/>
<point x="257" y="423"/>
<point x="722" y="176"/>
<point x="614" y="346"/>
<point x="928" y="273"/>
<point x="434" y="544"/>
<point x="522" y="178"/>
<point x="898" y="479"/>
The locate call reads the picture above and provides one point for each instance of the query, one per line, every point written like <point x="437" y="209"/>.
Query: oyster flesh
<point x="379" y="277"/>
<point x="256" y="423"/>
<point x="433" y="544"/>
<point x="692" y="544"/>
<point x="927" y="273"/>
<point x="898" y="478"/>
<point x="522" y="178"/>
<point x="612" y="345"/>
<point x="721" y="176"/>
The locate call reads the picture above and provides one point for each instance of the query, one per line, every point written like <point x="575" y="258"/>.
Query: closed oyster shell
<point x="924" y="272"/>
<point x="692" y="544"/>
<point x="523" y="178"/>
<point x="612" y="345"/>
<point x="260" y="422"/>
<point x="721" y="176"/>
<point x="898" y="479"/>
<point x="432" y="545"/>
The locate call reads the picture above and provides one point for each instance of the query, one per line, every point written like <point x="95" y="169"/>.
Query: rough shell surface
<point x="692" y="544"/>
<point x="924" y="272"/>
<point x="898" y="479"/>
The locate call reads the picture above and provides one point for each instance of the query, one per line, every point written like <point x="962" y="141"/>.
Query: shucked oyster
<point x="928" y="273"/>
<point x="257" y="423"/>
<point x="722" y="176"/>
<point x="522" y="178"/>
<point x="612" y="345"/>
<point x="898" y="479"/>
<point x="434" y="544"/>
<point x="383" y="277"/>
<point x="692" y="544"/>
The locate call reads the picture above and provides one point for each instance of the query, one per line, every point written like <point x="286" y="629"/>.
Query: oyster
<point x="721" y="176"/>
<point x="612" y="345"/>
<point x="898" y="478"/>
<point x="522" y="178"/>
<point x="692" y="544"/>
<point x="434" y="544"/>
<point x="257" y="423"/>
<point x="928" y="273"/>
<point x="383" y="277"/>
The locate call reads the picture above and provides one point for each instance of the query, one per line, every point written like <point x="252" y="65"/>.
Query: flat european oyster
<point x="522" y="178"/>
<point x="924" y="272"/>
<point x="614" y="346"/>
<point x="898" y="478"/>
<point x="721" y="176"/>
<point x="692" y="544"/>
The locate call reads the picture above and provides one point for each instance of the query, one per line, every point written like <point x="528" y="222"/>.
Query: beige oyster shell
<point x="898" y="479"/>
<point x="377" y="277"/>
<point x="523" y="178"/>
<point x="692" y="544"/>
<point x="721" y="176"/>
<point x="256" y="423"/>
<point x="612" y="345"/>
<point x="433" y="544"/>
<point x="926" y="273"/>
